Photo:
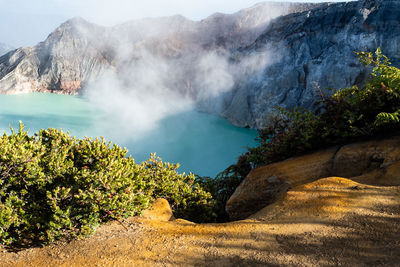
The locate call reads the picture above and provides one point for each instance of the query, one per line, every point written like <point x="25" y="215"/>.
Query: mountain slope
<point x="79" y="51"/>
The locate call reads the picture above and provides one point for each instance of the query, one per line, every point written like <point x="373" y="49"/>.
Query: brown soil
<point x="332" y="221"/>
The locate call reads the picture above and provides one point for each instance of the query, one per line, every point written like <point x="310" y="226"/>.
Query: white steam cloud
<point x="136" y="106"/>
<point x="213" y="75"/>
<point x="138" y="94"/>
<point x="161" y="67"/>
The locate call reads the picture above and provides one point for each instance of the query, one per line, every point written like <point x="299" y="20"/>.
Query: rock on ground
<point x="373" y="162"/>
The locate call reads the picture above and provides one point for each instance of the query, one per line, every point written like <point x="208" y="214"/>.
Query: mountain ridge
<point x="42" y="69"/>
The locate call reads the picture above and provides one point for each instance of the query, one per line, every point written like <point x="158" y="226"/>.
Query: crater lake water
<point x="201" y="143"/>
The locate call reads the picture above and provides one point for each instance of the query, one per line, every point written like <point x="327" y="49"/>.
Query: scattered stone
<point x="160" y="211"/>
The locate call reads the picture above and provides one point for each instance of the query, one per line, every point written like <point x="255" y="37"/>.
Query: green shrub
<point x="345" y="116"/>
<point x="55" y="186"/>
<point x="187" y="197"/>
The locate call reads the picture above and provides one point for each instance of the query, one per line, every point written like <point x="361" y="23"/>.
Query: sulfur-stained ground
<point x="332" y="221"/>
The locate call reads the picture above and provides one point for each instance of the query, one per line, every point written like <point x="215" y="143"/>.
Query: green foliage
<point x="348" y="115"/>
<point x="55" y="186"/>
<point x="186" y="196"/>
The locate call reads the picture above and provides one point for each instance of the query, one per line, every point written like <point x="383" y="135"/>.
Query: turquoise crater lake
<point x="202" y="143"/>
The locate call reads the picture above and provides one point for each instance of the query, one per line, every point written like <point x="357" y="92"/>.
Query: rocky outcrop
<point x="265" y="184"/>
<point x="62" y="63"/>
<point x="373" y="163"/>
<point x="159" y="211"/>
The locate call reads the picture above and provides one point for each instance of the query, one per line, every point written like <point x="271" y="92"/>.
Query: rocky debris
<point x="159" y="211"/>
<point x="374" y="163"/>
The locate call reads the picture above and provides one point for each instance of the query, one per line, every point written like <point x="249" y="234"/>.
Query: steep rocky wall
<point x="316" y="50"/>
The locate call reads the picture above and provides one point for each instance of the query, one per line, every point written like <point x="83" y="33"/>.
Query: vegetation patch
<point x="55" y="186"/>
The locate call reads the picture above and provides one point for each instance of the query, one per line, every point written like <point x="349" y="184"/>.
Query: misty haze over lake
<point x="203" y="144"/>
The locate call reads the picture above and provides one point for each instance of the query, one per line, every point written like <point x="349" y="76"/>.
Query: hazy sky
<point x="26" y="22"/>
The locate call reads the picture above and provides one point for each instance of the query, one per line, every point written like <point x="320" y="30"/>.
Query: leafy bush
<point x="55" y="186"/>
<point x="186" y="196"/>
<point x="348" y="115"/>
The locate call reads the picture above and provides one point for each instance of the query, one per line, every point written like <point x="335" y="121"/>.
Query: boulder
<point x="360" y="158"/>
<point x="159" y="211"/>
<point x="263" y="185"/>
<point x="373" y="162"/>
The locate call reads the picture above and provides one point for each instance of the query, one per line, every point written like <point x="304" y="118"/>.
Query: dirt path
<point x="331" y="222"/>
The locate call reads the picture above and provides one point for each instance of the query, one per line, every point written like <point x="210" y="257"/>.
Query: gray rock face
<point x="317" y="51"/>
<point x="239" y="66"/>
<point x="62" y="63"/>
<point x="78" y="52"/>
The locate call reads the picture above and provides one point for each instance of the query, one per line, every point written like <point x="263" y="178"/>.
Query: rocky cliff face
<point x="317" y="51"/>
<point x="239" y="66"/>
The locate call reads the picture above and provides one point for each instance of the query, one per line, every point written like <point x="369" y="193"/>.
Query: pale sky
<point x="26" y="22"/>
